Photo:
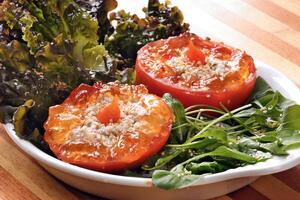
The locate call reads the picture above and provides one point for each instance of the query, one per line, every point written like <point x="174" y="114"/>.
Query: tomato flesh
<point x="199" y="71"/>
<point x="195" y="54"/>
<point x="108" y="127"/>
<point x="110" y="113"/>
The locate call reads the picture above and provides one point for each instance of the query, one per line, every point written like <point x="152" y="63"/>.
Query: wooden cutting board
<point x="267" y="29"/>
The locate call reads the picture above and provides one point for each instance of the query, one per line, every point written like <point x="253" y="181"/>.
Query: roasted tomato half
<point x="196" y="71"/>
<point x="108" y="127"/>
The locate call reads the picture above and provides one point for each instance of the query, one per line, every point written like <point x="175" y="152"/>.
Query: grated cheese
<point x="187" y="71"/>
<point x="132" y="110"/>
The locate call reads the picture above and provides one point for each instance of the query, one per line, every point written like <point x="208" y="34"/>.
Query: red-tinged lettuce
<point x="131" y="32"/>
<point x="47" y="48"/>
<point x="14" y="54"/>
<point x="41" y="22"/>
<point x="99" y="10"/>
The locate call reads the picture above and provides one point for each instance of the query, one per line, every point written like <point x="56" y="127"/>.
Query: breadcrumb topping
<point x="186" y="73"/>
<point x="132" y="109"/>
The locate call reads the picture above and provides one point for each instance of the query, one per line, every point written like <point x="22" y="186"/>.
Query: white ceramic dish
<point x="120" y="187"/>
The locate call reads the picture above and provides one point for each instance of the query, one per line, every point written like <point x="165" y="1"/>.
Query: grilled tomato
<point x="108" y="127"/>
<point x="196" y="71"/>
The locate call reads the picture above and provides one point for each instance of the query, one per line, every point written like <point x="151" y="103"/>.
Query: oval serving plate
<point x="209" y="186"/>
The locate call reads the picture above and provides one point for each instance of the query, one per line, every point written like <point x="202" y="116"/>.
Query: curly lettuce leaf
<point x="41" y="22"/>
<point x="17" y="88"/>
<point x="131" y="32"/>
<point x="14" y="54"/>
<point x="55" y="61"/>
<point x="7" y="34"/>
<point x="99" y="10"/>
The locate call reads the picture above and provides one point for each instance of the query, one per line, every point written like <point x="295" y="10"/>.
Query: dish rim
<point x="246" y="171"/>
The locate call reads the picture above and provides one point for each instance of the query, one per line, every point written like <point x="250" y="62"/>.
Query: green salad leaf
<point x="169" y="180"/>
<point x="179" y="132"/>
<point x="183" y="174"/>
<point x="99" y="10"/>
<point x="267" y="126"/>
<point x="131" y="33"/>
<point x="291" y="118"/>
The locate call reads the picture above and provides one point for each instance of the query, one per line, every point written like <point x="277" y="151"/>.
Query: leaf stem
<point x="217" y="120"/>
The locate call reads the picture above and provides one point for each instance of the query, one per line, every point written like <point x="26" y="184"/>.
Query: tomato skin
<point x="231" y="96"/>
<point x="110" y="166"/>
<point x="80" y="94"/>
<point x="128" y="151"/>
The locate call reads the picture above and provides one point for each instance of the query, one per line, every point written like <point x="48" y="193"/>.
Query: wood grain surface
<point x="269" y="30"/>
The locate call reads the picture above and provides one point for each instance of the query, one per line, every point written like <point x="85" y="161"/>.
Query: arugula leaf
<point x="206" y="167"/>
<point x="171" y="180"/>
<point x="180" y="133"/>
<point x="224" y="151"/>
<point x="261" y="89"/>
<point x="204" y="144"/>
<point x="289" y="138"/>
<point x="253" y="133"/>
<point x="274" y="147"/>
<point x="211" y="140"/>
<point x="160" y="162"/>
<point x="180" y="176"/>
<point x="291" y="118"/>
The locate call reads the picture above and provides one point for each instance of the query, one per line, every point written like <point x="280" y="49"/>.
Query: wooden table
<point x="267" y="29"/>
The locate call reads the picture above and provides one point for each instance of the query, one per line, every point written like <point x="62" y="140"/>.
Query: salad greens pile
<point x="132" y="32"/>
<point x="49" y="47"/>
<point x="202" y="143"/>
<point x="206" y="140"/>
